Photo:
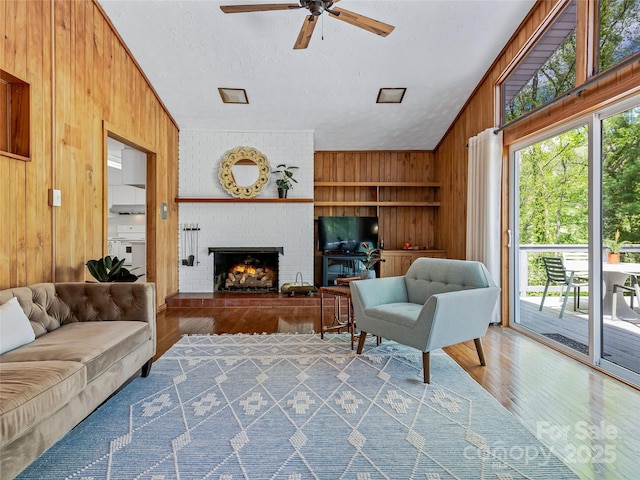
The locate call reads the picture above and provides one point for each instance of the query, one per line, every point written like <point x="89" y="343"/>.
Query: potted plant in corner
<point x="614" y="247"/>
<point x="110" y="269"/>
<point x="285" y="181"/>
<point x="371" y="257"/>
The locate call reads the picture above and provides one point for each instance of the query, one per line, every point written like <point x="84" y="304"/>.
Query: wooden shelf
<point x="378" y="184"/>
<point x="242" y="200"/>
<point x="376" y="204"/>
<point x="376" y="199"/>
<point x="14" y="156"/>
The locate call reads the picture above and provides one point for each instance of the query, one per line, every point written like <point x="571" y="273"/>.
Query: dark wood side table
<point x="338" y="292"/>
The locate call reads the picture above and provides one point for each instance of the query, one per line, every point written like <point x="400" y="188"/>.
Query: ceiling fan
<point x="316" y="8"/>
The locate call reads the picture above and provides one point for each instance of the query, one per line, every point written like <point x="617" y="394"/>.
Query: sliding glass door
<point x="575" y="200"/>
<point x="550" y="225"/>
<point x="620" y="147"/>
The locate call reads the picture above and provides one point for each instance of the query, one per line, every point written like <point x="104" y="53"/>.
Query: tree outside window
<point x="549" y="69"/>
<point x="620" y="176"/>
<point x="619" y="31"/>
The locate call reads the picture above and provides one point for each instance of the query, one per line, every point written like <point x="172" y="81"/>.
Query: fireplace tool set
<point x="190" y="244"/>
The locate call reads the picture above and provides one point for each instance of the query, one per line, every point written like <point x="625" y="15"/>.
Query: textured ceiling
<point x="439" y="51"/>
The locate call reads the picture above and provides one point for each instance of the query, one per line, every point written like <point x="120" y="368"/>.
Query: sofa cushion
<point x="98" y="345"/>
<point x="429" y="276"/>
<point x="15" y="329"/>
<point x="36" y="300"/>
<point x="32" y="391"/>
<point x="404" y="314"/>
<point x="116" y="301"/>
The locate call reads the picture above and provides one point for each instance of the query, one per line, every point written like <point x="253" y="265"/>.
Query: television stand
<point x="339" y="265"/>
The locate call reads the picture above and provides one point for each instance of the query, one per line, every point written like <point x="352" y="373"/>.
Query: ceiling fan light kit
<point x="316" y="8"/>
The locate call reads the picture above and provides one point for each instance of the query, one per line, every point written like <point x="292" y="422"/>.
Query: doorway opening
<point x="127" y="205"/>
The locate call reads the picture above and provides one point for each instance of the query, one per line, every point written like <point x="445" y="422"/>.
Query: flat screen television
<point x="346" y="234"/>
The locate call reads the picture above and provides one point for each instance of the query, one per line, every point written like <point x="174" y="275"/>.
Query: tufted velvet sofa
<point x="90" y="339"/>
<point x="437" y="303"/>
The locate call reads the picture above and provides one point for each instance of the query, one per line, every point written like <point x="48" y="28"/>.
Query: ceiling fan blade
<point x="265" y="7"/>
<point x="366" y="23"/>
<point x="304" y="37"/>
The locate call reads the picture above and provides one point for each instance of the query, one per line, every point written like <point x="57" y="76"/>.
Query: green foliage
<point x="556" y="76"/>
<point x="554" y="184"/>
<point x="285" y="173"/>
<point x="619" y="31"/>
<point x="109" y="269"/>
<point x="620" y="174"/>
<point x="553" y="174"/>
<point x="371" y="255"/>
<point x="619" y="38"/>
<point x="553" y="190"/>
<point x="615" y="245"/>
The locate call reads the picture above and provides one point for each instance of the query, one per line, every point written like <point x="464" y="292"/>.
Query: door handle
<point x="510" y="238"/>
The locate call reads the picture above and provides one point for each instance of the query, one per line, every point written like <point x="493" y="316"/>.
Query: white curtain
<point x="483" y="203"/>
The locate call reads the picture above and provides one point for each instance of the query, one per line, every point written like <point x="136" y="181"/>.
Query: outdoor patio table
<point x="617" y="273"/>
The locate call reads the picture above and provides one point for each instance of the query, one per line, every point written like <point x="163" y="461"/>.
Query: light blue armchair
<point x="439" y="302"/>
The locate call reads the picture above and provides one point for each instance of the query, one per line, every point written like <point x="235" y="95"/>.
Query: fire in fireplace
<point x="250" y="273"/>
<point x="245" y="269"/>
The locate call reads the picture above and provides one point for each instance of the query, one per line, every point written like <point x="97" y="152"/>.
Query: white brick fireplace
<point x="238" y="224"/>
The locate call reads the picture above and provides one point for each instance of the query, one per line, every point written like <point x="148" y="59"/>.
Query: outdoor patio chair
<point x="578" y="262"/>
<point x="633" y="288"/>
<point x="557" y="274"/>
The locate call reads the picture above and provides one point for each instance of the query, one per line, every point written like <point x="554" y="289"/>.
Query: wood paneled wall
<point x="83" y="83"/>
<point x="397" y="224"/>
<point x="477" y="115"/>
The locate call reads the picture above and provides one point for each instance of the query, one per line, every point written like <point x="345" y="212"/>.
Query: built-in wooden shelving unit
<point x="382" y="194"/>
<point x="399" y="187"/>
<point x="396" y="262"/>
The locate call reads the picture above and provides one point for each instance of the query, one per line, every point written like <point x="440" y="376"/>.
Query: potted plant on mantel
<point x="285" y="181"/>
<point x="371" y="257"/>
<point x="614" y="247"/>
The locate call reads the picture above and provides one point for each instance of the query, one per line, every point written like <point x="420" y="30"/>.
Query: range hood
<point x="128" y="209"/>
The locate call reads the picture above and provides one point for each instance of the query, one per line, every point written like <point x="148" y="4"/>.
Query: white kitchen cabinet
<point x="124" y="195"/>
<point x="140" y="196"/>
<point x="134" y="167"/>
<point x="115" y="176"/>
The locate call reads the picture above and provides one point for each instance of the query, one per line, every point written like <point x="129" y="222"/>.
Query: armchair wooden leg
<point x="480" y="350"/>
<point x="426" y="371"/>
<point x="363" y="337"/>
<point x="146" y="368"/>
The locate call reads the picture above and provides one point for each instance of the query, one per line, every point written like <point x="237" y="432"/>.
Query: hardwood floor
<point x="586" y="417"/>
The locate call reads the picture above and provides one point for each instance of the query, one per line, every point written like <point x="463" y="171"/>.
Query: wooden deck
<point x="621" y="339"/>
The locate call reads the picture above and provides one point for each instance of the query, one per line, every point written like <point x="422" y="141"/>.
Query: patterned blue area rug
<point x="296" y="407"/>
